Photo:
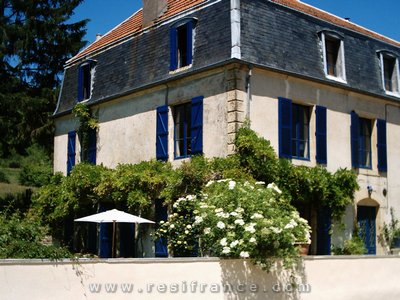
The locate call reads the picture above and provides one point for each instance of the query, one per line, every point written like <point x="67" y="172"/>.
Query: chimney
<point x="152" y="10"/>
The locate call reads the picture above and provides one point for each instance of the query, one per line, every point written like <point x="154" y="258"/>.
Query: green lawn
<point x="14" y="186"/>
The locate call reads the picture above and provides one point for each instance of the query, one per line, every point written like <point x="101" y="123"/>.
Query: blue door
<point x="366" y="216"/>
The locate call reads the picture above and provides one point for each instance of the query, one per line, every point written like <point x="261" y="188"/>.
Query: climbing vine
<point x="87" y="123"/>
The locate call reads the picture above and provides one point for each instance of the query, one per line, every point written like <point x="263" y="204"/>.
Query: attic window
<point x="333" y="50"/>
<point x="85" y="75"/>
<point x="390" y="73"/>
<point x="181" y="44"/>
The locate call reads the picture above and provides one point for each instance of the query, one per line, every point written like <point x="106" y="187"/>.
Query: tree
<point x="35" y="41"/>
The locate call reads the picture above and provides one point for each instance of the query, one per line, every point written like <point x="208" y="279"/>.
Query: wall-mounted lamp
<point x="370" y="190"/>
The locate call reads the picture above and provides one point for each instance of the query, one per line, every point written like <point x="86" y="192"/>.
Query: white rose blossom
<point x="226" y="250"/>
<point x="223" y="242"/>
<point x="291" y="224"/>
<point x="234" y="244"/>
<point x="275" y="230"/>
<point x="244" y="254"/>
<point x="221" y="225"/>
<point x="250" y="228"/>
<point x="207" y="230"/>
<point x="239" y="222"/>
<point x="274" y="187"/>
<point x="253" y="240"/>
<point x="257" y="216"/>
<point x="232" y="184"/>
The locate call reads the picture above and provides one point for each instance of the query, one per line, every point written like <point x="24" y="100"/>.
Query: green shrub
<point x="21" y="238"/>
<point x="353" y="246"/>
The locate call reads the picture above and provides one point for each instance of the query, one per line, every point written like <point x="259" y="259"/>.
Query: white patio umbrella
<point x="113" y="216"/>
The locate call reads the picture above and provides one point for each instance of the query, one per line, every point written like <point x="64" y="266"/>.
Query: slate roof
<point x="133" y="24"/>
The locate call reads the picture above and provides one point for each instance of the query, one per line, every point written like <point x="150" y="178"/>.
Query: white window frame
<point x="396" y="86"/>
<point x="341" y="65"/>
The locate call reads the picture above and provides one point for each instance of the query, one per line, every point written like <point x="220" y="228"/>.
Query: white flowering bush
<point x="249" y="221"/>
<point x="236" y="220"/>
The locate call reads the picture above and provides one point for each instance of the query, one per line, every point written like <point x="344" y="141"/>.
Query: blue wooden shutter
<point x="105" y="234"/>
<point x="189" y="41"/>
<point x="162" y="133"/>
<point x="324" y="223"/>
<point x="173" y="48"/>
<point x="197" y="126"/>
<point x="71" y="151"/>
<point x="382" y="148"/>
<point x="355" y="124"/>
<point x="92" y="147"/>
<point x="161" y="248"/>
<point x="320" y="114"/>
<point x="285" y="128"/>
<point x="80" y="84"/>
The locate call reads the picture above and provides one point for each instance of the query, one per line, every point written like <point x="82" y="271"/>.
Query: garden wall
<point x="209" y="278"/>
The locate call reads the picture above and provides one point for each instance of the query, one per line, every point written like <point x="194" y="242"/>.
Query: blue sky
<point x="381" y="16"/>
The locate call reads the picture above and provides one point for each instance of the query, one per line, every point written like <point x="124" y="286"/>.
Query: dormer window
<point x="181" y="44"/>
<point x="390" y="72"/>
<point x="333" y="50"/>
<point x="85" y="75"/>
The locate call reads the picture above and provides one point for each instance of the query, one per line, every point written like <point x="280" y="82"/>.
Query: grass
<point x="13" y="187"/>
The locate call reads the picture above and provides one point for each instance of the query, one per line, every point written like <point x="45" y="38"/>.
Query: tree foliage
<point x="36" y="39"/>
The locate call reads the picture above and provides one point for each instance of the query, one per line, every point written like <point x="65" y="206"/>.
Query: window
<point x="390" y="72"/>
<point x="188" y="129"/>
<point x="294" y="136"/>
<point x="361" y="131"/>
<point x="333" y="51"/>
<point x="85" y="81"/>
<point x="181" y="44"/>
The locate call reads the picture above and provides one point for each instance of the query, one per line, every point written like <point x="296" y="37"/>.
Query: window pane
<point x="182" y="46"/>
<point x="365" y="143"/>
<point x="388" y="72"/>
<point x="300" y="131"/>
<point x="182" y="122"/>
<point x="86" y="84"/>
<point x="332" y="52"/>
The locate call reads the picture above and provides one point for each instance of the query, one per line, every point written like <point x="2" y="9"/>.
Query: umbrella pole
<point x="113" y="241"/>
